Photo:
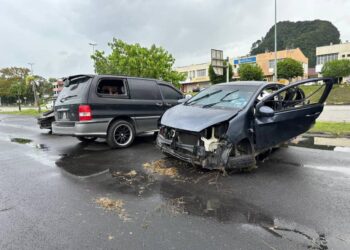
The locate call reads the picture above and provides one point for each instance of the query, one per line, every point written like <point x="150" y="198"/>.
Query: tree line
<point x="16" y="86"/>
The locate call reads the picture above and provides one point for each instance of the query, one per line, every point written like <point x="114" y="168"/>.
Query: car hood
<point x="192" y="118"/>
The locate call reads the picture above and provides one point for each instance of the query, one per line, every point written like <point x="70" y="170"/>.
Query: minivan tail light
<point x="85" y="113"/>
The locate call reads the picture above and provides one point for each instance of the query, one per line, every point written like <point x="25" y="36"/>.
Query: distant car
<point x="46" y="119"/>
<point x="117" y="108"/>
<point x="228" y="125"/>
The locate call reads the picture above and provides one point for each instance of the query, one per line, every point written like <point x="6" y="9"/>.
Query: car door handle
<point x="312" y="115"/>
<point x="168" y="104"/>
<point x="159" y="104"/>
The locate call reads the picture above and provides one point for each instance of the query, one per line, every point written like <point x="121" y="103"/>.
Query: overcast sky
<point x="55" y="34"/>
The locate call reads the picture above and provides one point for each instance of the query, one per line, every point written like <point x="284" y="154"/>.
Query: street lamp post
<point x="36" y="97"/>
<point x="93" y="52"/>
<point x="275" y="69"/>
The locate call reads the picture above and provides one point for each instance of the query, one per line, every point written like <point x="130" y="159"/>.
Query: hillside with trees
<point x="306" y="35"/>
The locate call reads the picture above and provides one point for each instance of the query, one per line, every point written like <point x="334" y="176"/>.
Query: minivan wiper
<point x="221" y="100"/>
<point x="67" y="97"/>
<point x="205" y="96"/>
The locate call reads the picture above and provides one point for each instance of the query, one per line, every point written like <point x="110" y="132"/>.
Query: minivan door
<point x="146" y="104"/>
<point x="296" y="107"/>
<point x="74" y="93"/>
<point x="170" y="95"/>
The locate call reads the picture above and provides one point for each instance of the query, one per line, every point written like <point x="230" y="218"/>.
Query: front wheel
<point x="120" y="134"/>
<point x="86" y="138"/>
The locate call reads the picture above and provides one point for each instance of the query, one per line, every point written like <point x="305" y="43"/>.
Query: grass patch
<point x="340" y="94"/>
<point x="32" y="112"/>
<point x="334" y="128"/>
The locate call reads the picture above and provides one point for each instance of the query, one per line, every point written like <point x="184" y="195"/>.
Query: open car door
<point x="290" y="111"/>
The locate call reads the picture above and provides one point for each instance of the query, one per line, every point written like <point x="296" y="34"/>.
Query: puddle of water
<point x="21" y="140"/>
<point x="333" y="144"/>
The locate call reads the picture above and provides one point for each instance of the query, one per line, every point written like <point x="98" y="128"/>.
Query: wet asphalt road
<point x="298" y="198"/>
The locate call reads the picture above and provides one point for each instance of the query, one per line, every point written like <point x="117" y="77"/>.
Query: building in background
<point x="197" y="77"/>
<point x="57" y="87"/>
<point x="267" y="61"/>
<point x="330" y="53"/>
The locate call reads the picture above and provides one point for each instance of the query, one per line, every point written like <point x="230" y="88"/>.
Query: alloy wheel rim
<point x="122" y="134"/>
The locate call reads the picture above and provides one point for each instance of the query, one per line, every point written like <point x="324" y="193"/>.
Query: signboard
<point x="245" y="60"/>
<point x="217" y="61"/>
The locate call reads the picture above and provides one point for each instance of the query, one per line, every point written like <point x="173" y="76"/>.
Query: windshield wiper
<point x="222" y="99"/>
<point x="67" y="97"/>
<point x="205" y="96"/>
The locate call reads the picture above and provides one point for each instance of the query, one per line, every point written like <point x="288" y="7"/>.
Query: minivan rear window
<point x="75" y="92"/>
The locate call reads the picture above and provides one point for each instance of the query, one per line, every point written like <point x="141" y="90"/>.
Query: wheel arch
<point x="122" y="117"/>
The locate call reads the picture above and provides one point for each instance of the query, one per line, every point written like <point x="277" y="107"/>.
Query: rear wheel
<point x="86" y="138"/>
<point x="120" y="134"/>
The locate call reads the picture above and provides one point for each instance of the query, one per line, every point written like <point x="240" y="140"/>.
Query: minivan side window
<point x="144" y="89"/>
<point x="112" y="88"/>
<point x="170" y="93"/>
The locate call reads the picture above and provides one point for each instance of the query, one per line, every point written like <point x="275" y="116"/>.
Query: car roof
<point x="121" y="76"/>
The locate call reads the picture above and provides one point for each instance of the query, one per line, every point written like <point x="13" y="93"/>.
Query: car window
<point x="112" y="88"/>
<point x="223" y="96"/>
<point x="75" y="92"/>
<point x="170" y="93"/>
<point x="297" y="97"/>
<point x="144" y="89"/>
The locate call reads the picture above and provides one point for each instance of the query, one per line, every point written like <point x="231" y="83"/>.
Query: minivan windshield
<point x="223" y="96"/>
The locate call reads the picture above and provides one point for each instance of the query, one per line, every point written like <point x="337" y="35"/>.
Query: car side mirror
<point x="266" y="111"/>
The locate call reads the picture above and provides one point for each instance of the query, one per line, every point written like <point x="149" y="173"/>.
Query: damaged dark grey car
<point x="228" y="125"/>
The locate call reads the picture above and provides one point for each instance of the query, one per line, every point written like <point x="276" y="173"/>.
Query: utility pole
<point x="36" y="97"/>
<point x="228" y="70"/>
<point x="275" y="69"/>
<point x="93" y="52"/>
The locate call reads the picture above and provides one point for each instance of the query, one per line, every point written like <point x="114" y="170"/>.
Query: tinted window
<point x="170" y="93"/>
<point x="112" y="88"/>
<point x="75" y="92"/>
<point x="144" y="89"/>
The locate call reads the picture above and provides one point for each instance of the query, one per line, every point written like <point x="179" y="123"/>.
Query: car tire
<point x="120" y="134"/>
<point x="86" y="139"/>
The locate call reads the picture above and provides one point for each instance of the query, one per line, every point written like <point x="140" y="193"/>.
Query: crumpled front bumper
<point x="194" y="154"/>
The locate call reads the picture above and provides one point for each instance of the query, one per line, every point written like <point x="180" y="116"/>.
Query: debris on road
<point x="160" y="167"/>
<point x="132" y="173"/>
<point x="174" y="206"/>
<point x="114" y="205"/>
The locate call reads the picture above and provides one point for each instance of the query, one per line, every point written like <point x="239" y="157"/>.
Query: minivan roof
<point x="110" y="75"/>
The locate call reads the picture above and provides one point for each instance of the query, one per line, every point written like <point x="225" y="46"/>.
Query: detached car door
<point x="292" y="111"/>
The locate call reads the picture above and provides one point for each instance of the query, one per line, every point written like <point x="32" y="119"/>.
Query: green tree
<point x="135" y="60"/>
<point x="250" y="72"/>
<point x="214" y="78"/>
<point x="337" y="69"/>
<point x="289" y="68"/>
<point x="306" y="35"/>
<point x="18" y="89"/>
<point x="12" y="83"/>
